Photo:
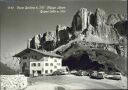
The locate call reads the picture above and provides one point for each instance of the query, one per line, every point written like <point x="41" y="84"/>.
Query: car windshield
<point x="100" y="73"/>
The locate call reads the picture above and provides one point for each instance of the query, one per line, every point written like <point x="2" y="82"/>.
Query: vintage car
<point x="73" y="71"/>
<point x="81" y="73"/>
<point x="97" y="75"/>
<point x="114" y="76"/>
<point x="78" y="73"/>
<point x="60" y="72"/>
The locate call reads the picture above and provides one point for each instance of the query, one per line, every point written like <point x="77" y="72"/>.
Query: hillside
<point x="5" y="70"/>
<point x="78" y="57"/>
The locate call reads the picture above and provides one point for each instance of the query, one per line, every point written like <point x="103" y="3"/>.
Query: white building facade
<point x="35" y="62"/>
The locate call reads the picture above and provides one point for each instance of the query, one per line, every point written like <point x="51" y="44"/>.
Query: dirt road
<point x="69" y="83"/>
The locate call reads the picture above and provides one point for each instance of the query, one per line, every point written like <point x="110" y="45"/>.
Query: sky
<point x="17" y="26"/>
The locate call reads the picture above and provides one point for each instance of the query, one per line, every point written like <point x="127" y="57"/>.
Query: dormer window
<point x="27" y="51"/>
<point x="24" y="57"/>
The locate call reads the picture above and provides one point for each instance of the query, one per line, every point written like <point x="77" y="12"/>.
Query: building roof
<point x="45" y="53"/>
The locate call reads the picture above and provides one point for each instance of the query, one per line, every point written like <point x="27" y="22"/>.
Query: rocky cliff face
<point x="63" y="34"/>
<point x="50" y="40"/>
<point x="46" y="41"/>
<point x="90" y="26"/>
<point x="97" y="25"/>
<point x="80" y="20"/>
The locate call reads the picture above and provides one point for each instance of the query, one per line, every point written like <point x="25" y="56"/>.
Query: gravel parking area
<point x="79" y="82"/>
<point x="63" y="82"/>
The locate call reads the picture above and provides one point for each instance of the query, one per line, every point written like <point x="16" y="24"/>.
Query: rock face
<point x="102" y="30"/>
<point x="48" y="41"/>
<point x="121" y="27"/>
<point x="89" y="26"/>
<point x="35" y="42"/>
<point x="62" y="33"/>
<point x="114" y="18"/>
<point x="94" y="25"/>
<point x="80" y="21"/>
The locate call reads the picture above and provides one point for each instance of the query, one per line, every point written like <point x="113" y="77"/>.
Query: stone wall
<point x="13" y="82"/>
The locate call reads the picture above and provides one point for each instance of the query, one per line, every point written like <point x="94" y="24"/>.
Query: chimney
<point x="28" y="43"/>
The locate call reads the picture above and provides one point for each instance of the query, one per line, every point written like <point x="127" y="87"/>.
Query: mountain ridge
<point x="91" y="26"/>
<point x="5" y="70"/>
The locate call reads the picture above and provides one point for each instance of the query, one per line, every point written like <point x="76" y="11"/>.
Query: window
<point x="46" y="64"/>
<point x="51" y="71"/>
<point x="46" y="71"/>
<point x="24" y="57"/>
<point x="55" y="66"/>
<point x="32" y="57"/>
<point x="58" y="64"/>
<point x="33" y="64"/>
<point x="38" y="64"/>
<point x="39" y="72"/>
<point x="55" y="60"/>
<point x="35" y="57"/>
<point x="51" y="64"/>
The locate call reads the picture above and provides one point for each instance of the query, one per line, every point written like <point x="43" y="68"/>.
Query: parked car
<point x="85" y="73"/>
<point x="114" y="76"/>
<point x="103" y="73"/>
<point x="81" y="73"/>
<point x="96" y="75"/>
<point x="73" y="71"/>
<point x="64" y="70"/>
<point x="58" y="72"/>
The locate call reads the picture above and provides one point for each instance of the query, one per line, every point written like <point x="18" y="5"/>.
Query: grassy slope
<point x="101" y="56"/>
<point x="5" y="70"/>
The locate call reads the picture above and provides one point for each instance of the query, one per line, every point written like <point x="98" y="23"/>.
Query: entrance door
<point x="24" y="69"/>
<point x="39" y="72"/>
